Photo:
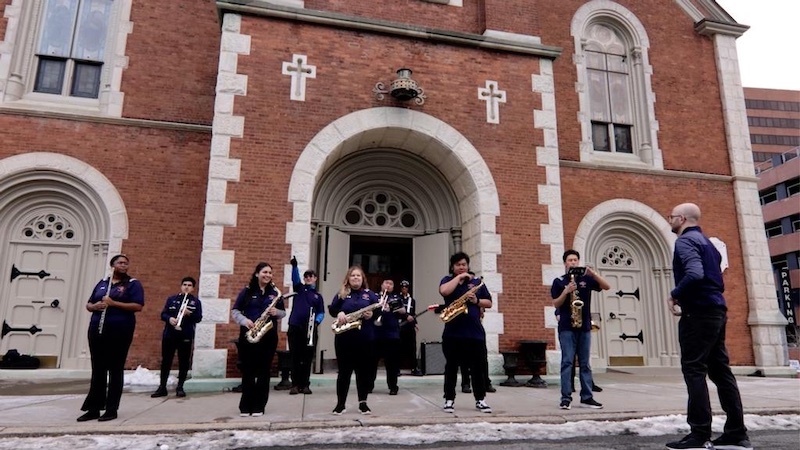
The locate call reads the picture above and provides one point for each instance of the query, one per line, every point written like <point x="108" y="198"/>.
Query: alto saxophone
<point x="576" y="304"/>
<point x="459" y="305"/>
<point x="264" y="322"/>
<point x="353" y="320"/>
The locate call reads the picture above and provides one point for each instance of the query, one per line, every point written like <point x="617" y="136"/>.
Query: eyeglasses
<point x="670" y="217"/>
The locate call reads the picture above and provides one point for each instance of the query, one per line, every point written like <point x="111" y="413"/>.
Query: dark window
<point x="49" y="76"/>
<point x="768" y="196"/>
<point x="772" y="105"/>
<point x="773" y="229"/>
<point x="793" y="187"/>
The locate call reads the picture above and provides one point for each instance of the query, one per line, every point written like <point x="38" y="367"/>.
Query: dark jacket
<point x="698" y="277"/>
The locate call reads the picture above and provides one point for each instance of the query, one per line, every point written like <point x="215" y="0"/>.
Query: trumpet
<point x="384" y="299"/>
<point x="459" y="305"/>
<point x="310" y="331"/>
<point x="181" y="312"/>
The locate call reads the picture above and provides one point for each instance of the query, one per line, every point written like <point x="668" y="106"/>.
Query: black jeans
<point x="389" y="350"/>
<point x="408" y="352"/>
<point x="256" y="366"/>
<point x="168" y="347"/>
<point x="703" y="353"/>
<point x="469" y="353"/>
<point x="108" y="352"/>
<point x="302" y="355"/>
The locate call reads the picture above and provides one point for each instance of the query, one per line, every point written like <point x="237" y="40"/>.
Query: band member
<point x="113" y="303"/>
<point x="186" y="308"/>
<point x="355" y="348"/>
<point x="408" y="331"/>
<point x="388" y="335"/>
<point x="575" y="326"/>
<point x="463" y="338"/>
<point x="308" y="310"/>
<point x="256" y="358"/>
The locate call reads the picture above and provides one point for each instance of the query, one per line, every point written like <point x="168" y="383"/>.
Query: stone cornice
<point x="121" y="121"/>
<point x="709" y="27"/>
<point x="652" y="172"/>
<point x="325" y="18"/>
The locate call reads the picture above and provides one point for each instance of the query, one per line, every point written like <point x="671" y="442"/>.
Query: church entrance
<point x="382" y="258"/>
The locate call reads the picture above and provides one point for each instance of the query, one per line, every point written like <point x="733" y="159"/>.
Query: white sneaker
<point x="244" y="414"/>
<point x="257" y="414"/>
<point x="483" y="407"/>
<point x="449" y="406"/>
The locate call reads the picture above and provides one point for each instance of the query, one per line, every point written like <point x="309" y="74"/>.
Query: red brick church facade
<point x="202" y="138"/>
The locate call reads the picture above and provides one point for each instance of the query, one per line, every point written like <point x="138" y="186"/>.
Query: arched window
<point x="617" y="116"/>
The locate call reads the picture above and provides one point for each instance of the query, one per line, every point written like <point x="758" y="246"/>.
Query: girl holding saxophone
<point x="355" y="348"/>
<point x="258" y="299"/>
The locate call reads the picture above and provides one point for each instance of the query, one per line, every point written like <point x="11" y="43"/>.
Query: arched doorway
<point x="56" y="229"/>
<point x="427" y="186"/>
<point x="629" y="244"/>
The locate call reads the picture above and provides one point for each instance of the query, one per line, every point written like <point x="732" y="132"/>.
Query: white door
<point x="39" y="293"/>
<point x="334" y="262"/>
<point x="430" y="265"/>
<point x="622" y="318"/>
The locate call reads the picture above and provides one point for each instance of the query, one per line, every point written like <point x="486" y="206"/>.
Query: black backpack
<point x="13" y="360"/>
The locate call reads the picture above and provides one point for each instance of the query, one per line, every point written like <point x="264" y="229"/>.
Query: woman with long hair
<point x="113" y="303"/>
<point x="355" y="348"/>
<point x="256" y="358"/>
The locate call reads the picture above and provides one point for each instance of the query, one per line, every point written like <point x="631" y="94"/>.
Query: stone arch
<point x="56" y="185"/>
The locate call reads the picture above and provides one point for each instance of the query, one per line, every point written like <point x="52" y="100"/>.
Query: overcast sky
<point x="769" y="52"/>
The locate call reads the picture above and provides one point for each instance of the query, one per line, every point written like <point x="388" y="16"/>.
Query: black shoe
<point x="160" y="392"/>
<point x="691" y="442"/>
<point x="307" y="390"/>
<point x="490" y="388"/>
<point x="339" y="410"/>
<point x="294" y="390"/>
<point x="591" y="403"/>
<point x="564" y="404"/>
<point x="363" y="408"/>
<point x="466" y="389"/>
<point x="596" y="388"/>
<point x="393" y="391"/>
<point x="725" y="443"/>
<point x="179" y="392"/>
<point x="108" y="415"/>
<point x="89" y="415"/>
<point x="416" y="373"/>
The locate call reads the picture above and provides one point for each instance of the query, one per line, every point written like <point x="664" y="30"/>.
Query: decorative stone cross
<point x="493" y="97"/>
<point x="299" y="71"/>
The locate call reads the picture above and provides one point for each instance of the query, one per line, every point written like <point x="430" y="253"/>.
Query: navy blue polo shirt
<point x="306" y="299"/>
<point x="390" y="321"/>
<point x="354" y="301"/>
<point x="128" y="290"/>
<point x="171" y="309"/>
<point x="586" y="284"/>
<point x="253" y="303"/>
<point x="468" y="325"/>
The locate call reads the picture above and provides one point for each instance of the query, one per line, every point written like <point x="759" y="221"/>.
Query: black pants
<point x="256" y="366"/>
<point x="465" y="375"/>
<point x="469" y="353"/>
<point x="169" y="345"/>
<point x="354" y="355"/>
<point x="408" y="346"/>
<point x="703" y="353"/>
<point x="389" y="350"/>
<point x="302" y="355"/>
<point x="108" y="353"/>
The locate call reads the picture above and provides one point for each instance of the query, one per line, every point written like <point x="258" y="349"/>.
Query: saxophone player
<point x="575" y="325"/>
<point x="464" y="338"/>
<point x="355" y="348"/>
<point x="256" y="357"/>
<point x="178" y="336"/>
<point x="307" y="306"/>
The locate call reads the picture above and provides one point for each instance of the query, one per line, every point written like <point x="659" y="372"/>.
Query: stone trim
<point x="120" y="121"/>
<point x="767" y="324"/>
<point x="214" y="261"/>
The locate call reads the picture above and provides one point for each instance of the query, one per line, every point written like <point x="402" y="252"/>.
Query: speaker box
<point x="432" y="358"/>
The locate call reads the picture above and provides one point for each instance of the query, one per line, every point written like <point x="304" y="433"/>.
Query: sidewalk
<point x="625" y="396"/>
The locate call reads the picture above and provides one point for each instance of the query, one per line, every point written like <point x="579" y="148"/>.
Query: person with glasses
<point x="187" y="309"/>
<point x="697" y="299"/>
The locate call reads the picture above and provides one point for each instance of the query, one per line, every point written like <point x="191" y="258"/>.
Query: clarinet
<point x="103" y="313"/>
<point x="310" y="331"/>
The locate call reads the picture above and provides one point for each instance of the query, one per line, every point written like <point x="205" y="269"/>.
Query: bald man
<point x="697" y="299"/>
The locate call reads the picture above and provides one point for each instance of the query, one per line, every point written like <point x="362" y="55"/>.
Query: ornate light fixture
<point x="403" y="88"/>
